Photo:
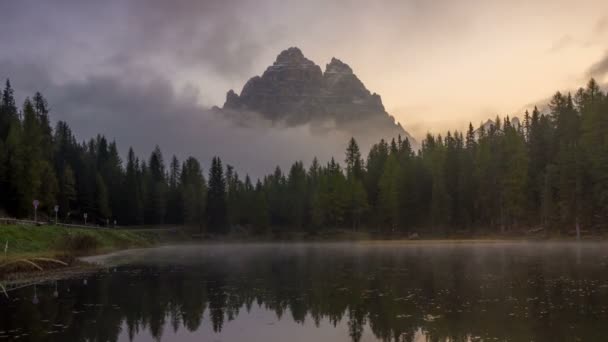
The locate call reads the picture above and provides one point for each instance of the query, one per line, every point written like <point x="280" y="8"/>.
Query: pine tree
<point x="471" y="141"/>
<point x="14" y="172"/>
<point x="514" y="177"/>
<point x="216" y="210"/>
<point x="593" y="106"/>
<point x="29" y="182"/>
<point x="193" y="193"/>
<point x="275" y="186"/>
<point x="5" y="123"/>
<point x="260" y="209"/>
<point x="49" y="188"/>
<point x="376" y="160"/>
<point x="174" y="203"/>
<point x="4" y="176"/>
<point x="527" y="124"/>
<point x="357" y="196"/>
<point x="296" y="188"/>
<point x="357" y="201"/>
<point x="354" y="163"/>
<point x="433" y="155"/>
<point x="232" y="195"/>
<point x="567" y="123"/>
<point x="133" y="191"/>
<point x="332" y="197"/>
<point x="157" y="188"/>
<point x="389" y="194"/>
<point x="8" y="111"/>
<point x="41" y="108"/>
<point x="67" y="192"/>
<point x="102" y="205"/>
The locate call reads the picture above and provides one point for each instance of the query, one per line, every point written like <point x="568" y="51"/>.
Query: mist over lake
<point x="377" y="291"/>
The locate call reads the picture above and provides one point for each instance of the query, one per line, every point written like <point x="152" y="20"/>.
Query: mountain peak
<point x="292" y="56"/>
<point x="336" y="66"/>
<point x="295" y="91"/>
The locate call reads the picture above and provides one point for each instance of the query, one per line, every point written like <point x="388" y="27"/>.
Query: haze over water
<point x="325" y="292"/>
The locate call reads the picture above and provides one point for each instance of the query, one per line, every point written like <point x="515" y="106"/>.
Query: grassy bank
<point x="51" y="240"/>
<point x="28" y="248"/>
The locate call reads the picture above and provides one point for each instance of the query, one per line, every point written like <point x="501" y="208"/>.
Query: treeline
<point x="549" y="171"/>
<point x="37" y="162"/>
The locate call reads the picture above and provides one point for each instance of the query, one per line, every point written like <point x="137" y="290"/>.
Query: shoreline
<point x="27" y="249"/>
<point x="30" y="251"/>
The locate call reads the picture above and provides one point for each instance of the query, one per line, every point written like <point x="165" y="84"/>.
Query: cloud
<point x="543" y="103"/>
<point x="564" y="42"/>
<point x="144" y="114"/>
<point x="599" y="69"/>
<point x="218" y="35"/>
<point x="148" y="111"/>
<point x="601" y="26"/>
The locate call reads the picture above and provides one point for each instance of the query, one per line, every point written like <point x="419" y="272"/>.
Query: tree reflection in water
<point x="392" y="292"/>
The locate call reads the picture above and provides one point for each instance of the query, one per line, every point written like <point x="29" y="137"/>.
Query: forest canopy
<point x="549" y="171"/>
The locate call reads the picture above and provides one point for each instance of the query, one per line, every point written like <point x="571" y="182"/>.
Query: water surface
<point x="325" y="292"/>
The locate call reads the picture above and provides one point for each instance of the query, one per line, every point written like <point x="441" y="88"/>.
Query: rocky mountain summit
<point x="294" y="90"/>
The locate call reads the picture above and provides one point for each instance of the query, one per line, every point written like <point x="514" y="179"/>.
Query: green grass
<point x="52" y="240"/>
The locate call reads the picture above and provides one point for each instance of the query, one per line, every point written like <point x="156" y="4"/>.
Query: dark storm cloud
<point x="221" y="35"/>
<point x="32" y="77"/>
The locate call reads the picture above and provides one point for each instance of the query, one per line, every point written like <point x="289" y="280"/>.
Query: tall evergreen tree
<point x="67" y="192"/>
<point x="156" y="200"/>
<point x="102" y="205"/>
<point x="389" y="194"/>
<point x="514" y="178"/>
<point x="593" y="106"/>
<point x="133" y="192"/>
<point x="8" y="110"/>
<point x="41" y="107"/>
<point x="174" y="203"/>
<point x="216" y="210"/>
<point x="29" y="181"/>
<point x="193" y="193"/>
<point x="296" y="188"/>
<point x="354" y="163"/>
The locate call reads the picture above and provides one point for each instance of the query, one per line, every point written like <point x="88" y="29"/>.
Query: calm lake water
<point x="325" y="292"/>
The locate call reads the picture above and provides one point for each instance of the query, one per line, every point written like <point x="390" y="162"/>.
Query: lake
<point x="376" y="291"/>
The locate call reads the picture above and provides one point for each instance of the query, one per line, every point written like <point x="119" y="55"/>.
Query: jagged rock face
<point x="284" y="90"/>
<point x="295" y="90"/>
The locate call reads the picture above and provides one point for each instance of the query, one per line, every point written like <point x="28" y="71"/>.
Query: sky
<point x="109" y="66"/>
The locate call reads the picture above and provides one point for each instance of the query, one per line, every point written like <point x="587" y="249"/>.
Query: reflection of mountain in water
<point x="505" y="293"/>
